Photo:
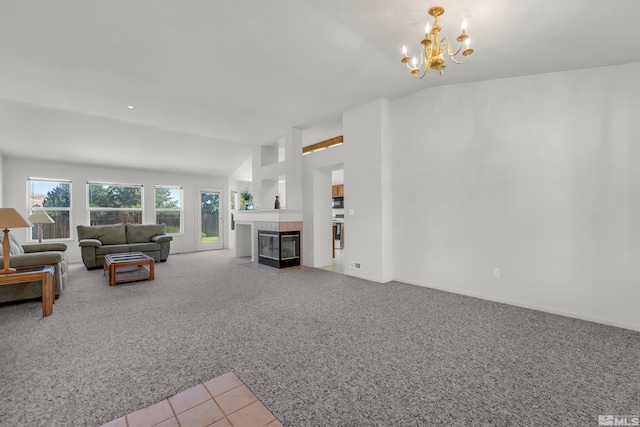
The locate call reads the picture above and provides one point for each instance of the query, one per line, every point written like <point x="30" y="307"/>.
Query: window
<point x="114" y="203"/>
<point x="52" y="196"/>
<point x="233" y="200"/>
<point x="169" y="208"/>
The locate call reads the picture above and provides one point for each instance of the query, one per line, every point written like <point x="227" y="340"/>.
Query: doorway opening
<point x="337" y="220"/>
<point x="208" y="235"/>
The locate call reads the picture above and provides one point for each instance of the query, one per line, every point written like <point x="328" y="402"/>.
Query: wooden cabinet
<point x="337" y="190"/>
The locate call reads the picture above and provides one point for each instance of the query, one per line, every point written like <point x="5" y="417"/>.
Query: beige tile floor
<point x="221" y="402"/>
<point x="338" y="263"/>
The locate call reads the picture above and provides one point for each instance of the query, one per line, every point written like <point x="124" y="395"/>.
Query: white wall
<point x="1" y="180"/>
<point x="538" y="176"/>
<point x="367" y="182"/>
<point x="322" y="216"/>
<point x="17" y="170"/>
<point x="293" y="171"/>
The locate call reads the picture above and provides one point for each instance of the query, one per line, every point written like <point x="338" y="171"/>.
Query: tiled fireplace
<point x="272" y="237"/>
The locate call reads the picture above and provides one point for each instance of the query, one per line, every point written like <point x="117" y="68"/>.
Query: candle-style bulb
<point x="414" y="62"/>
<point x="464" y="24"/>
<point x="427" y="28"/>
<point x="404" y="50"/>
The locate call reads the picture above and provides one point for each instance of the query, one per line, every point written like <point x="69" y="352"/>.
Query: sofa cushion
<point x="144" y="247"/>
<point x="15" y="246"/>
<point x="43" y="247"/>
<point x="142" y="233"/>
<point x="107" y="234"/>
<point x="112" y="249"/>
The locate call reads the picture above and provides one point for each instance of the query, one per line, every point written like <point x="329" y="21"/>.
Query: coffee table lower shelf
<point x="43" y="274"/>
<point x="128" y="267"/>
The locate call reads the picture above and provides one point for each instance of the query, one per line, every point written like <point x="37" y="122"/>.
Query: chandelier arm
<point x="445" y="41"/>
<point x="424" y="73"/>
<point x="449" y="48"/>
<point x="466" y="58"/>
<point x="457" y="52"/>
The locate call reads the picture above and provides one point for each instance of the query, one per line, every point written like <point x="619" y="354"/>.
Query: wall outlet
<point x="496" y="272"/>
<point x="355" y="265"/>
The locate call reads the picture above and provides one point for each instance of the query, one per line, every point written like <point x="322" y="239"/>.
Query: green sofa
<point x="31" y="255"/>
<point x="98" y="240"/>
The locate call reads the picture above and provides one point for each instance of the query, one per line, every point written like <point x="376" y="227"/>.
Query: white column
<point x="293" y="168"/>
<point x="256" y="168"/>
<point x="367" y="186"/>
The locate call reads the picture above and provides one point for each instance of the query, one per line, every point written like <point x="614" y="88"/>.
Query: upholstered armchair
<point x="30" y="255"/>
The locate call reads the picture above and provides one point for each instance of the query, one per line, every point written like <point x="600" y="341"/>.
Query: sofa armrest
<point x="90" y="242"/>
<point x="159" y="238"/>
<point x="35" y="258"/>
<point x="44" y="247"/>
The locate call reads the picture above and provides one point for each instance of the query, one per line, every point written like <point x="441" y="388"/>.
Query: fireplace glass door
<point x="269" y="245"/>
<point x="289" y="246"/>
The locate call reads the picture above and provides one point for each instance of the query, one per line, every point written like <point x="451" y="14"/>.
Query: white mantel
<point x="268" y="215"/>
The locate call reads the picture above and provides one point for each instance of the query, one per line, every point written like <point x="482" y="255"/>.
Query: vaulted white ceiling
<point x="211" y="79"/>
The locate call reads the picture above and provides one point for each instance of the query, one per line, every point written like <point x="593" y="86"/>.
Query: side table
<point x="43" y="274"/>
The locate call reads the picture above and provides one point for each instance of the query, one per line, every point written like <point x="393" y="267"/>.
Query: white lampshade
<point x="41" y="217"/>
<point x="10" y="218"/>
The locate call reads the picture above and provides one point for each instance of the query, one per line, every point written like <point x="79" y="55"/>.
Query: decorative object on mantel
<point x="277" y="203"/>
<point x="40" y="217"/>
<point x="10" y="218"/>
<point x="246" y="199"/>
<point x="432" y="51"/>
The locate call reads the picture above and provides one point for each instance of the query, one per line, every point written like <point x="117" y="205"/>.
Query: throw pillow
<point x="16" y="247"/>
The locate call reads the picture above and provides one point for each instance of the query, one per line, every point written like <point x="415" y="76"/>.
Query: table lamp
<point x="9" y="218"/>
<point x="40" y="218"/>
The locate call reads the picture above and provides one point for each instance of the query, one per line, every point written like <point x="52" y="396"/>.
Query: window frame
<point x="31" y="209"/>
<point x="180" y="209"/>
<point x="105" y="209"/>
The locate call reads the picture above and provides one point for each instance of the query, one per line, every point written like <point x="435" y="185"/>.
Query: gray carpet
<point x="318" y="348"/>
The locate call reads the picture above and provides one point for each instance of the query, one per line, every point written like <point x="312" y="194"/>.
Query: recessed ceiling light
<point x="131" y="107"/>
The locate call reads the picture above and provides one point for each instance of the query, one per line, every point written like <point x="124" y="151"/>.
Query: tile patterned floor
<point x="338" y="263"/>
<point x="221" y="402"/>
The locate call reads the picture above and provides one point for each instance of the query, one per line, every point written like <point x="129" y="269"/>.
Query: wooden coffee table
<point x="128" y="267"/>
<point x="43" y="274"/>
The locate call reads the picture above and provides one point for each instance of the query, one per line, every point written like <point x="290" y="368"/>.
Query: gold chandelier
<point x="433" y="50"/>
